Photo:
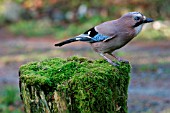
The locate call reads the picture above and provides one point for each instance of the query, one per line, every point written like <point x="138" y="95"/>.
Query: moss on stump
<point x="74" y="85"/>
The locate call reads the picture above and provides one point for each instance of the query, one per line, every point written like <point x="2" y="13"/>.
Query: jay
<point x="111" y="35"/>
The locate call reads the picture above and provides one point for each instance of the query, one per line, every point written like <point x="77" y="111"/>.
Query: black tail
<point x="66" y="42"/>
<point x="85" y="39"/>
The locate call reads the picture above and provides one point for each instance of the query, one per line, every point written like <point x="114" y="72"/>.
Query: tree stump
<point x="74" y="85"/>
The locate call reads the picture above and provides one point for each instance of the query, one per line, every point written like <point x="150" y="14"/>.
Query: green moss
<point x="88" y="86"/>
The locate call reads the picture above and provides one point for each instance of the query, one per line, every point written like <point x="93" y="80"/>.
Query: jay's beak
<point x="147" y="20"/>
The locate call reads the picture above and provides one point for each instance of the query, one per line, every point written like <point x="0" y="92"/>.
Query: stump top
<point x="57" y="70"/>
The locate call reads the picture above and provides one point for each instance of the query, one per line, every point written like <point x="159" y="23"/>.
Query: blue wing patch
<point x="99" y="37"/>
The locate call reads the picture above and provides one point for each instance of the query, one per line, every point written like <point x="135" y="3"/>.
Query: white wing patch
<point x="81" y="36"/>
<point x="89" y="33"/>
<point x="78" y="38"/>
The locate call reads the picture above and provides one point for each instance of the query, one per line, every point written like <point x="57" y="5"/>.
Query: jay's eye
<point x="136" y="18"/>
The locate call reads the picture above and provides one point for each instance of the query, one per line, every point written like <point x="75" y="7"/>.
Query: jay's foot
<point x="113" y="64"/>
<point x="119" y="59"/>
<point x="110" y="61"/>
<point x="123" y="60"/>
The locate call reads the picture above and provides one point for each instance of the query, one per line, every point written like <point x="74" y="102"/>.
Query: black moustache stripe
<point x="137" y="24"/>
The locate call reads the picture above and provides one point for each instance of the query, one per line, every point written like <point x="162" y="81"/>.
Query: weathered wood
<point x="74" y="85"/>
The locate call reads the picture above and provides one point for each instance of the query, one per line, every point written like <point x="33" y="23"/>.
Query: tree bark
<point x="74" y="85"/>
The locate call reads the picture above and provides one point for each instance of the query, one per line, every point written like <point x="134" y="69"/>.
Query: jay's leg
<point x="110" y="61"/>
<point x="118" y="58"/>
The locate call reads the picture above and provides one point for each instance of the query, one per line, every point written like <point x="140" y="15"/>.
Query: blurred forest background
<point x="29" y="29"/>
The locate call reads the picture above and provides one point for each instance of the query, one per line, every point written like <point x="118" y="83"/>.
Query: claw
<point x="123" y="60"/>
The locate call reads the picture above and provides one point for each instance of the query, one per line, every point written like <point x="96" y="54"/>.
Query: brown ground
<point x="149" y="90"/>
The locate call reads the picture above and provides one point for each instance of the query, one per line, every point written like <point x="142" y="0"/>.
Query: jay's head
<point x="135" y="20"/>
